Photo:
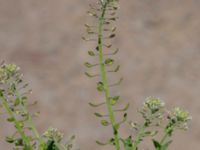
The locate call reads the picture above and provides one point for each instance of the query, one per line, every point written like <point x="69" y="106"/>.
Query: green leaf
<point x="51" y="145"/>
<point x="128" y="143"/>
<point x="157" y="145"/>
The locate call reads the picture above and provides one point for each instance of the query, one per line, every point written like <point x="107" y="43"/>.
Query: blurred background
<point x="160" y="56"/>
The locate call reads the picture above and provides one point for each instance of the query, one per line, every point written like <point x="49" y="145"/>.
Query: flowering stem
<point x="138" y="138"/>
<point x="17" y="123"/>
<point x="30" y="122"/>
<point x="104" y="75"/>
<point x="167" y="133"/>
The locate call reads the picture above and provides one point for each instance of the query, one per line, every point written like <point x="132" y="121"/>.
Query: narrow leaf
<point x="157" y="145"/>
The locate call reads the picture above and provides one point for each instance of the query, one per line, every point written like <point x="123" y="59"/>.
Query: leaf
<point x="157" y="145"/>
<point x="128" y="143"/>
<point x="51" y="145"/>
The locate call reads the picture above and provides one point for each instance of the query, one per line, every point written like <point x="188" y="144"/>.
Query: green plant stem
<point x="138" y="138"/>
<point x="164" y="138"/>
<point x="104" y="75"/>
<point x="16" y="122"/>
<point x="167" y="134"/>
<point x="30" y="122"/>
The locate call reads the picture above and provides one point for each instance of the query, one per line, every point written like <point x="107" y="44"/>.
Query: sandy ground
<point x="160" y="56"/>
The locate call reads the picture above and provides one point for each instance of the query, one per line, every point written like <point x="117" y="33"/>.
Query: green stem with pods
<point x="104" y="75"/>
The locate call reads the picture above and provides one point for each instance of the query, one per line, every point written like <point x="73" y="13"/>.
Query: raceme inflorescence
<point x="14" y="104"/>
